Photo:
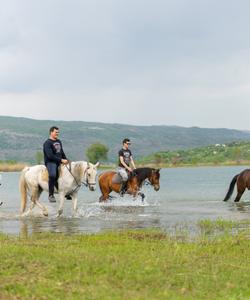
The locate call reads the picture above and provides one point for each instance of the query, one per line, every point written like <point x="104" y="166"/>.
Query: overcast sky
<point x="143" y="62"/>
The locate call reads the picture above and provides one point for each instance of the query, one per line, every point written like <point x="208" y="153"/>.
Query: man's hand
<point x="129" y="169"/>
<point x="64" y="161"/>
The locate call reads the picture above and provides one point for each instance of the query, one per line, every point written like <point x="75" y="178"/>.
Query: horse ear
<point x="97" y="164"/>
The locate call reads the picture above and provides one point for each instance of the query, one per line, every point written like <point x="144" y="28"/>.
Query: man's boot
<point x="123" y="188"/>
<point x="52" y="199"/>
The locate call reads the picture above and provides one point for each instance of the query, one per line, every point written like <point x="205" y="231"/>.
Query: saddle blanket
<point x="117" y="178"/>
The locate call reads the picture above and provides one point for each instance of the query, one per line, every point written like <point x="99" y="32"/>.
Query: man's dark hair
<point x="126" y="140"/>
<point x="53" y="128"/>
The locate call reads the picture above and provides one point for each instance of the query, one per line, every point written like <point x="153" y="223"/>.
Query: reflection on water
<point x="243" y="207"/>
<point x="36" y="224"/>
<point x="187" y="195"/>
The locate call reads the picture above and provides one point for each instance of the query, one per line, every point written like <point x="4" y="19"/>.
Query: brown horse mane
<point x="143" y="173"/>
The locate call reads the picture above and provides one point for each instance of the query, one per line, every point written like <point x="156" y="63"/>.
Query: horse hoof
<point x="59" y="213"/>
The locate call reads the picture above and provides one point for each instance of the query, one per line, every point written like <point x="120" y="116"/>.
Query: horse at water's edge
<point x="243" y="181"/>
<point x="34" y="180"/>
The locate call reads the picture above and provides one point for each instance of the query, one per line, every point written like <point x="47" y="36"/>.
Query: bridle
<point x="85" y="181"/>
<point x="148" y="180"/>
<point x="85" y="175"/>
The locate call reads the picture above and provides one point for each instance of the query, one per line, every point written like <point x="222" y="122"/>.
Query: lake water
<point x="187" y="195"/>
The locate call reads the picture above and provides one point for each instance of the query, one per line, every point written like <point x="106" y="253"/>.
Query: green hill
<point x="22" y="138"/>
<point x="232" y="153"/>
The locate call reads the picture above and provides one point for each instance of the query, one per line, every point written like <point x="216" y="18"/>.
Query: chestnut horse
<point x="243" y="182"/>
<point x="135" y="181"/>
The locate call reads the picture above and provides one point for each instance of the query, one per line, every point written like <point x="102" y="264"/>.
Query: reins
<point x="78" y="185"/>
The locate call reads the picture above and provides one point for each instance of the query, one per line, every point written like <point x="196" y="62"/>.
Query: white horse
<point x="34" y="180"/>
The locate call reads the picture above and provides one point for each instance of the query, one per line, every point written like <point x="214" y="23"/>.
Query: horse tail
<point x="231" y="188"/>
<point x="23" y="189"/>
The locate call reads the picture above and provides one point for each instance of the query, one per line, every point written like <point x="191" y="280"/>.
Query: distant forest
<point x="21" y="139"/>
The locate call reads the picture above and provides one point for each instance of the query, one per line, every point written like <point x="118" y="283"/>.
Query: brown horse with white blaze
<point x="108" y="184"/>
<point x="243" y="181"/>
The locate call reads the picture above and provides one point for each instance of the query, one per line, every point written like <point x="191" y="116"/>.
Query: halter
<point x="86" y="182"/>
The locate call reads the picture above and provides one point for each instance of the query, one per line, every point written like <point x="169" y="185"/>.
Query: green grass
<point x="125" y="265"/>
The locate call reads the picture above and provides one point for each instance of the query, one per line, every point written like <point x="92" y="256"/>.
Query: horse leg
<point x="240" y="190"/>
<point x="60" y="209"/>
<point x="43" y="208"/>
<point x="142" y="196"/>
<point x="32" y="205"/>
<point x="105" y="194"/>
<point x="104" y="198"/>
<point x="74" y="203"/>
<point x="239" y="194"/>
<point x="35" y="194"/>
<point x="133" y="190"/>
<point x="39" y="204"/>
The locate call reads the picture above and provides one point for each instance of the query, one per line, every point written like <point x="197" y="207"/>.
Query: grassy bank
<point x="12" y="167"/>
<point x="126" y="265"/>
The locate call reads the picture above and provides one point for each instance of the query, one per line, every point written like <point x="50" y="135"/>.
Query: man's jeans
<point x="53" y="176"/>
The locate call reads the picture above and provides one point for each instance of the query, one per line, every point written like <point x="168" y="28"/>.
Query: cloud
<point x="143" y="62"/>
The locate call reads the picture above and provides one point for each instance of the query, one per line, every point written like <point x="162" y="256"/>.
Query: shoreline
<point x="17" y="167"/>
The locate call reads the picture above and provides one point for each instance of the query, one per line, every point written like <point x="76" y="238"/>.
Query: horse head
<point x="90" y="176"/>
<point x="154" y="179"/>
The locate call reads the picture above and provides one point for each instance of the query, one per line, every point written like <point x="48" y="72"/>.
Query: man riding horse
<point x="53" y="157"/>
<point x="125" y="161"/>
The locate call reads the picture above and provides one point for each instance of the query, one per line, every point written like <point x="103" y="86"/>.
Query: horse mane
<point x="143" y="173"/>
<point x="78" y="170"/>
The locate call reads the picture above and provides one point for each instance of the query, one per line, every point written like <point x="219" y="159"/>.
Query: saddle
<point x="117" y="178"/>
<point x="45" y="177"/>
<point x="45" y="174"/>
